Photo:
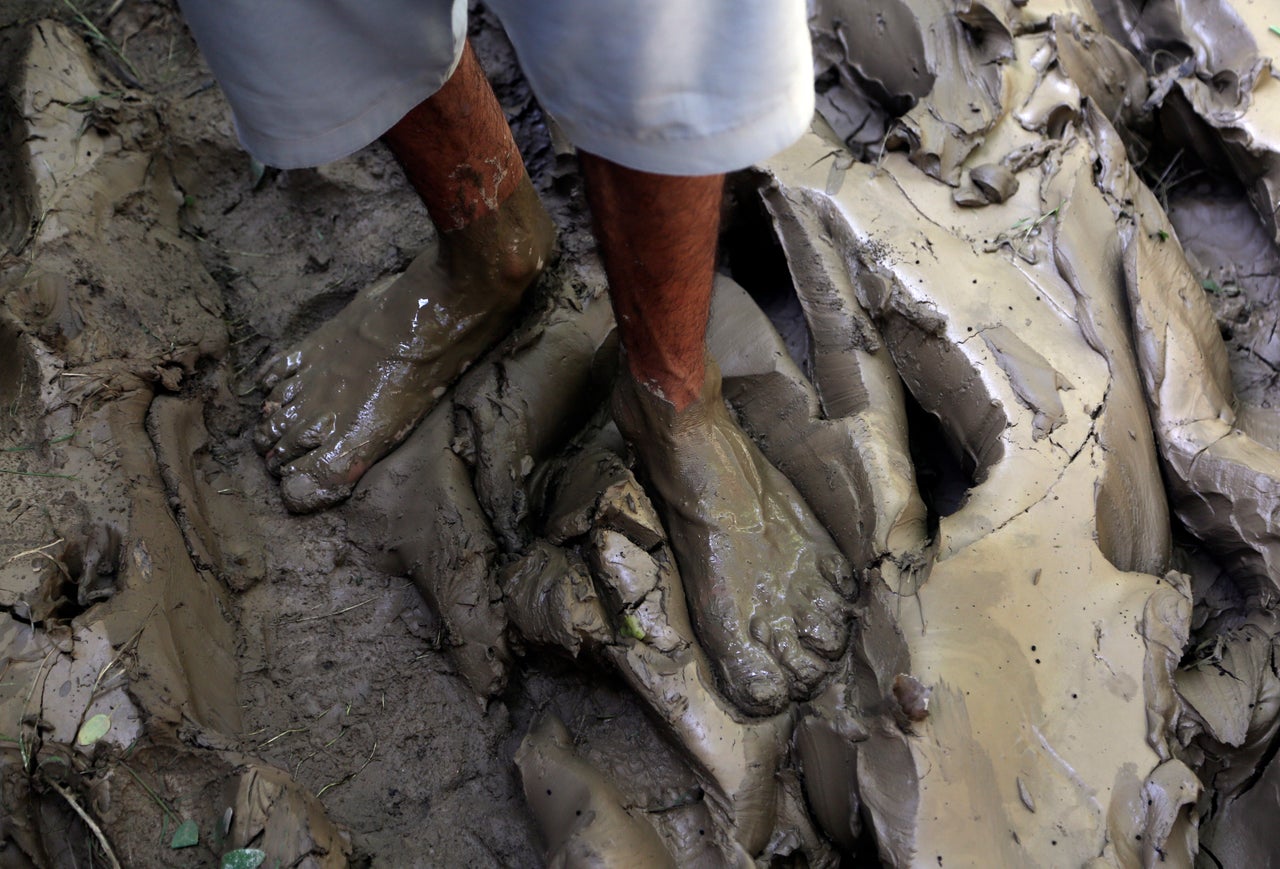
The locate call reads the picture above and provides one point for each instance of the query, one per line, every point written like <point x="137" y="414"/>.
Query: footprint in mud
<point x="354" y="389"/>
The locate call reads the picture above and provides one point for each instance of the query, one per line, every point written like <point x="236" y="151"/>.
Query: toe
<point x="753" y="680"/>
<point x="299" y="438"/>
<point x="822" y="634"/>
<point x="822" y="600"/>
<point x="276" y="421"/>
<point x="310" y="484"/>
<point x="327" y="475"/>
<point x="288" y="390"/>
<point x="279" y="367"/>
<point x="279" y="414"/>
<point x="805" y="669"/>
<point x="835" y="568"/>
<point x="282" y="393"/>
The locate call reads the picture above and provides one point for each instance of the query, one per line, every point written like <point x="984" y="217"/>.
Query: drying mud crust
<point x="981" y="567"/>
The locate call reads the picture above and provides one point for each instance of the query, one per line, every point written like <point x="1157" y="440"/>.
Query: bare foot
<point x="356" y="387"/>
<point x="766" y="584"/>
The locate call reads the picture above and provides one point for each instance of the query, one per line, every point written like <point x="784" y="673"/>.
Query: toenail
<point x="299" y="491"/>
<point x="762" y="692"/>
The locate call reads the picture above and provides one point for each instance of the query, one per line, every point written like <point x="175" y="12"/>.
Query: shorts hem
<point x="695" y="152"/>
<point x="349" y="136"/>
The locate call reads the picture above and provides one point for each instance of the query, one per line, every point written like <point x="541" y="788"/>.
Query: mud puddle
<point x="485" y="656"/>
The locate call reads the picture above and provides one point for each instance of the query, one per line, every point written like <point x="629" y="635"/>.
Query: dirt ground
<point x="288" y="666"/>
<point x="342" y="678"/>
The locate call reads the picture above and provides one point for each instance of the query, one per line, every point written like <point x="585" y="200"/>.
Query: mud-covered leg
<point x="350" y="392"/>
<point x="763" y="578"/>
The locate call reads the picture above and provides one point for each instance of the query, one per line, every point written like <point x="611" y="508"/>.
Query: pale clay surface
<point x="1038" y="677"/>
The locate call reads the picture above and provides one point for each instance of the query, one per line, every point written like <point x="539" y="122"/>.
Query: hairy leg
<point x="657" y="235"/>
<point x="764" y="580"/>
<point x="456" y="149"/>
<point x="351" y="391"/>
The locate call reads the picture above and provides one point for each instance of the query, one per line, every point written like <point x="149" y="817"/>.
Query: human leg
<point x="355" y="388"/>
<point x="764" y="580"/>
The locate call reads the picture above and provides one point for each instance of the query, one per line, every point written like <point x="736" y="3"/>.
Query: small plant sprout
<point x="631" y="627"/>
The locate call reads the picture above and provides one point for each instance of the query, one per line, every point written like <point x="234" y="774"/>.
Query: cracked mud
<point x="1000" y="330"/>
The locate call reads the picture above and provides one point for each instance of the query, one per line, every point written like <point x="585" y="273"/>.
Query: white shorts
<point x="678" y="87"/>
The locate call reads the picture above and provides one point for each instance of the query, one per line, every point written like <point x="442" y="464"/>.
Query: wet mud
<point x="1048" y="227"/>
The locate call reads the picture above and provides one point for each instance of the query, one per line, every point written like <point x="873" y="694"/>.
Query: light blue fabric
<point x="310" y="81"/>
<point x="680" y="87"/>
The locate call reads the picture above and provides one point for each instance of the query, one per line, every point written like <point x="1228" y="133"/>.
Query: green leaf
<point x="1274" y="29"/>
<point x="93" y="729"/>
<point x="1211" y="285"/>
<point x="243" y="858"/>
<point x="257" y="171"/>
<point x="1162" y="235"/>
<point x="186" y="835"/>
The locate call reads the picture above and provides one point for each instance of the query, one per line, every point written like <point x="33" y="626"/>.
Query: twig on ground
<point x="89" y="822"/>
<point x="349" y="776"/>
<point x="283" y="734"/>
<point x="29" y="447"/>
<point x="164" y="807"/>
<point x="23" y="749"/>
<point x="36" y="474"/>
<point x="326" y="615"/>
<point x="39" y="550"/>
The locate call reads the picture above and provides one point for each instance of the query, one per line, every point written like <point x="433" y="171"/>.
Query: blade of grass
<point x="100" y="37"/>
<point x="36" y="474"/>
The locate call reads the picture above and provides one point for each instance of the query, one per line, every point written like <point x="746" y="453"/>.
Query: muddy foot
<point x="764" y="580"/>
<point x="356" y="387"/>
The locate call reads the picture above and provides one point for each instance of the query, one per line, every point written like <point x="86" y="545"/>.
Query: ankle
<point x="506" y="249"/>
<point x="645" y="410"/>
<point x="676" y="379"/>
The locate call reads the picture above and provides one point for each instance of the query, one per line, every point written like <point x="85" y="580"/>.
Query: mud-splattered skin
<point x="764" y="580"/>
<point x="355" y="388"/>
